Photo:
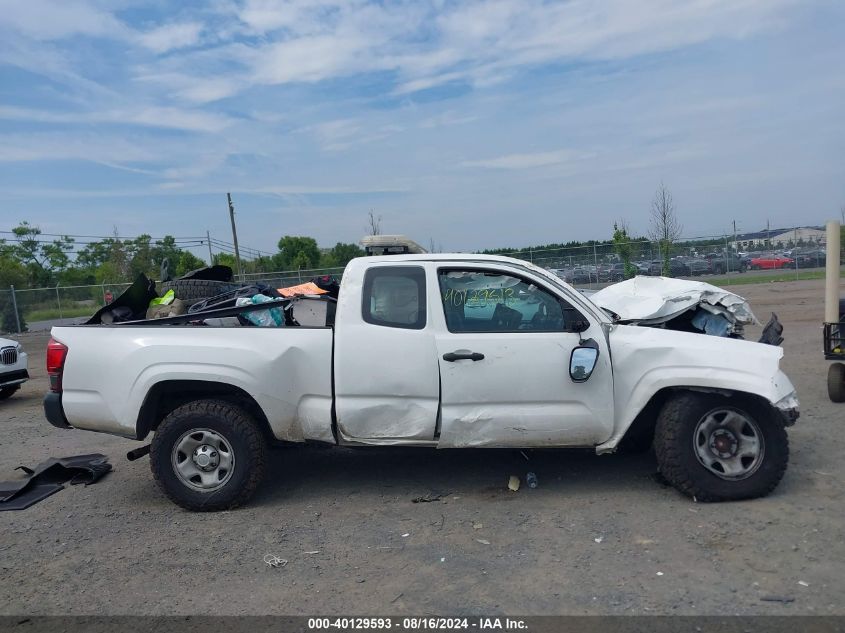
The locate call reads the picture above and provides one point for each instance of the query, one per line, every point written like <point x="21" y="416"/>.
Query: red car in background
<point x="771" y="261"/>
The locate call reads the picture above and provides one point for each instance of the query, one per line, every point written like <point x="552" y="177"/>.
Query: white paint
<point x="646" y="360"/>
<point x="388" y="381"/>
<point x="19" y="365"/>
<point x="110" y="370"/>
<point x="652" y="300"/>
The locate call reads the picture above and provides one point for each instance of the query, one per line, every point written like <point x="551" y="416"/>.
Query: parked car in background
<point x="721" y="263"/>
<point x="583" y="275"/>
<point x="696" y="266"/>
<point x="768" y="262"/>
<point x="676" y="268"/>
<point x="810" y="259"/>
<point x="616" y="272"/>
<point x="13" y="367"/>
<point x="563" y="273"/>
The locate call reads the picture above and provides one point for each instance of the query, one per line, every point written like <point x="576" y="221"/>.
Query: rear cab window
<point x="394" y="296"/>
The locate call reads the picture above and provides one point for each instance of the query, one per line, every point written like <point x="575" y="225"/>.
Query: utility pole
<point x="15" y="308"/>
<point x="235" y="235"/>
<point x="210" y="255"/>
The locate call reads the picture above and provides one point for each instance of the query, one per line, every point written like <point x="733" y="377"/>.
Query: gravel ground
<point x="599" y="535"/>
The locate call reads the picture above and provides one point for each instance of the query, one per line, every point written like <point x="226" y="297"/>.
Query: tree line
<point x="28" y="259"/>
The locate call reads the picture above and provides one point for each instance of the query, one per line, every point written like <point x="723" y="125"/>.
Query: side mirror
<point x="582" y="363"/>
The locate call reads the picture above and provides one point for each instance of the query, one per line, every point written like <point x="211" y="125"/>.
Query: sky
<point x="467" y="124"/>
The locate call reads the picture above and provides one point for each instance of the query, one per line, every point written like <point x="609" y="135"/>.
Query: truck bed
<point x="111" y="369"/>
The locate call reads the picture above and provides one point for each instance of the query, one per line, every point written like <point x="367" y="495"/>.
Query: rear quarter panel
<point x="110" y="370"/>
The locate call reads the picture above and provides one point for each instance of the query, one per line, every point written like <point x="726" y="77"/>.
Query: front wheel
<point x="208" y="455"/>
<point x="716" y="448"/>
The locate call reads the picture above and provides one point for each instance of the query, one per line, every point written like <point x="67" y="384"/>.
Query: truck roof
<point x="462" y="257"/>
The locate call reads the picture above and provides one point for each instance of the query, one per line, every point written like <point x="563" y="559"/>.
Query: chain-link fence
<point x="584" y="266"/>
<point x="28" y="309"/>
<point x="285" y="278"/>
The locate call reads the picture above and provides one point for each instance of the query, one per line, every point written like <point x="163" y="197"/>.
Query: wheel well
<point x="642" y="428"/>
<point x="168" y="395"/>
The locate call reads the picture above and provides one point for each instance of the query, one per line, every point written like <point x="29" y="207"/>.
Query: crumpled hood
<point x="654" y="300"/>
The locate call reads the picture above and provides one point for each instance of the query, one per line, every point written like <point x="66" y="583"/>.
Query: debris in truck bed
<point x="309" y="288"/>
<point x="131" y="304"/>
<point x="217" y="272"/>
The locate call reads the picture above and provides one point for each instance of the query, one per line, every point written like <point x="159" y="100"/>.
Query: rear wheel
<point x="715" y="448"/>
<point x="208" y="455"/>
<point x="836" y="382"/>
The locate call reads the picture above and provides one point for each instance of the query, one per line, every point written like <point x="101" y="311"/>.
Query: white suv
<point x="13" y="372"/>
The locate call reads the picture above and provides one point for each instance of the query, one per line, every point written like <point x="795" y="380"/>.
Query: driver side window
<point x="486" y="301"/>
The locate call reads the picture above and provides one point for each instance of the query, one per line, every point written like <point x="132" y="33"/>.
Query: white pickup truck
<point x="439" y="351"/>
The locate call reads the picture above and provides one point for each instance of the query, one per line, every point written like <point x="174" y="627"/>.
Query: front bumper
<point x="10" y="378"/>
<point x="54" y="412"/>
<point x="788" y="408"/>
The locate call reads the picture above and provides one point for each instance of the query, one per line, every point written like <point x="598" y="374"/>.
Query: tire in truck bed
<point x="197" y="289"/>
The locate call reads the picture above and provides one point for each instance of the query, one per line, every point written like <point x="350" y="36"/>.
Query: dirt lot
<point x="599" y="535"/>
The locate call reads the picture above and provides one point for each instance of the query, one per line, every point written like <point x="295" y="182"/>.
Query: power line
<point x="113" y="237"/>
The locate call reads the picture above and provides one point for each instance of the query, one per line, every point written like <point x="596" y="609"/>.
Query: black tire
<point x="637" y="442"/>
<point x="6" y="392"/>
<point x="677" y="454"/>
<point x="241" y="434"/>
<point x="197" y="289"/>
<point x="836" y="382"/>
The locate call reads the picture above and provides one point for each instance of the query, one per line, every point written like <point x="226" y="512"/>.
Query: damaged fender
<point x="646" y="360"/>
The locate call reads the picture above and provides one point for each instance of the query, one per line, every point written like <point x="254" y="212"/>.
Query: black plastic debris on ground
<point x="772" y="332"/>
<point x="49" y="477"/>
<point x="427" y="498"/>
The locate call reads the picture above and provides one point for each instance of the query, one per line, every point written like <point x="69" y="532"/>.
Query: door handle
<point x="462" y="355"/>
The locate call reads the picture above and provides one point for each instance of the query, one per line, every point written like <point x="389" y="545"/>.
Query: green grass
<point x="755" y="277"/>
<point x="49" y="314"/>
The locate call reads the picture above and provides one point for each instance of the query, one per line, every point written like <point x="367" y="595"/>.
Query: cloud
<point x="524" y="161"/>
<point x="98" y="148"/>
<point x="171" y="36"/>
<point x="58" y="19"/>
<point x="148" y="116"/>
<point x="480" y="42"/>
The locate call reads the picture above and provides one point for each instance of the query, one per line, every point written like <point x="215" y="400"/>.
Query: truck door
<point x="386" y="373"/>
<point x="504" y="345"/>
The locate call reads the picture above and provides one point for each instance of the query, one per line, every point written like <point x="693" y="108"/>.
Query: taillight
<point x="56" y="354"/>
